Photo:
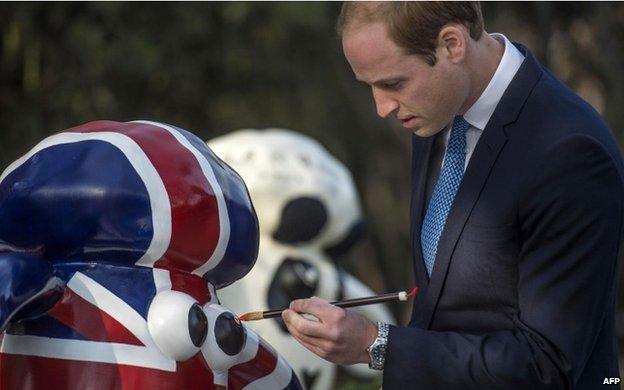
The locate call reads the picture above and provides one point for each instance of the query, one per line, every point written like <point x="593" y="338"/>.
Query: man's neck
<point x="484" y="57"/>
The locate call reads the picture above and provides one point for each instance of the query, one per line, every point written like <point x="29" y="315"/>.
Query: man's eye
<point x="392" y="85"/>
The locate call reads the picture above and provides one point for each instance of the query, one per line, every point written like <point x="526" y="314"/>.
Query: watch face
<point x="378" y="351"/>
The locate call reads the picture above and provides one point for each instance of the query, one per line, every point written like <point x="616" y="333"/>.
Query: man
<point x="517" y="211"/>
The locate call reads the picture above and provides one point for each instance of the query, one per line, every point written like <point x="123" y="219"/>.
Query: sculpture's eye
<point x="229" y="333"/>
<point x="177" y="324"/>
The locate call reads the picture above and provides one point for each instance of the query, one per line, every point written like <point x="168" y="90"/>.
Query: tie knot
<point x="460" y="125"/>
<point x="457" y="140"/>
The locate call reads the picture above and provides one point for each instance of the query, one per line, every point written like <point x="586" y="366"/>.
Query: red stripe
<point x="261" y="365"/>
<point x="38" y="373"/>
<point x="91" y="322"/>
<point x="194" y="209"/>
<point x="190" y="284"/>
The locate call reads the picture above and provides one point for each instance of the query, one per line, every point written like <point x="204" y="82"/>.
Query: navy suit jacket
<point x="522" y="294"/>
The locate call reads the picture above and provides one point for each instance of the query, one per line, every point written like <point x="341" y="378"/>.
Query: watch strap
<point x="377" y="350"/>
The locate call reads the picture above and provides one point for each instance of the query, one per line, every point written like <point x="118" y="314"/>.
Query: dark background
<point x="216" y="67"/>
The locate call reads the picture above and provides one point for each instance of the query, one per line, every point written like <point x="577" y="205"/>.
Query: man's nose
<point x="385" y="104"/>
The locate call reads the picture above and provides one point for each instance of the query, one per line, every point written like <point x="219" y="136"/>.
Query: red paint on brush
<point x="412" y="292"/>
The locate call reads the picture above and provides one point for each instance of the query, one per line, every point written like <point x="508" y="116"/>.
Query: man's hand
<point x="340" y="336"/>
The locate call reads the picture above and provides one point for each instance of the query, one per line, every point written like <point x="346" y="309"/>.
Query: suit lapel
<point x="490" y="144"/>
<point x="483" y="158"/>
<point x="421" y="154"/>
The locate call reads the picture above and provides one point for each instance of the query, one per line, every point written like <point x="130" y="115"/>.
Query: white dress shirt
<point x="481" y="111"/>
<point x="479" y="114"/>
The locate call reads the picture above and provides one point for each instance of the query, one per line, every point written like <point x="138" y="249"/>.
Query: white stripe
<point x="213" y="294"/>
<point x="220" y="378"/>
<point x="162" y="281"/>
<point x="159" y="200"/>
<point x="224" y="221"/>
<point x="278" y="379"/>
<point x="87" y="351"/>
<point x="105" y="300"/>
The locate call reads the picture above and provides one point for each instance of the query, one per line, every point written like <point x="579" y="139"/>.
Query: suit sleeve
<point x="570" y="219"/>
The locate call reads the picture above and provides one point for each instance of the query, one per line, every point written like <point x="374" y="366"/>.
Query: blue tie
<point x="444" y="192"/>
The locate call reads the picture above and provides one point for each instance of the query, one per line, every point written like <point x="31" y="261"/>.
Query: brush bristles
<point x="253" y="316"/>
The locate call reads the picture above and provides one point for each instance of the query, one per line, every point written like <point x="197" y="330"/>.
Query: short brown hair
<point x="414" y="25"/>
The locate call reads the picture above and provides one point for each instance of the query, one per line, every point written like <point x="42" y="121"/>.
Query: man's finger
<point x="302" y="325"/>
<point x="317" y="345"/>
<point x="304" y="338"/>
<point x="318" y="307"/>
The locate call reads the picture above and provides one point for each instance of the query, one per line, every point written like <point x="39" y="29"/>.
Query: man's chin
<point x="423" y="131"/>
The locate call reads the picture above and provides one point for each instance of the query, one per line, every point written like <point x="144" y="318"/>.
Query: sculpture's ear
<point x="29" y="287"/>
<point x="302" y="220"/>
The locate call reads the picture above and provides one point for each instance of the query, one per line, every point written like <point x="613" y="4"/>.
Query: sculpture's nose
<point x="229" y="333"/>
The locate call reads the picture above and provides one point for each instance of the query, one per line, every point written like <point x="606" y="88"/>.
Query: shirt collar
<point x="481" y="111"/>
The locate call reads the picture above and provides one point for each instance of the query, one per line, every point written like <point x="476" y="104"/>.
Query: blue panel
<point x="45" y="326"/>
<point x="82" y="200"/>
<point x="134" y="285"/>
<point x="23" y="277"/>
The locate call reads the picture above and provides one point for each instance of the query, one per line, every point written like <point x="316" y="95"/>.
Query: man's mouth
<point x="408" y="121"/>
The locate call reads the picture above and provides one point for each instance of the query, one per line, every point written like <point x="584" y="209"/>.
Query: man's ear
<point x="452" y="43"/>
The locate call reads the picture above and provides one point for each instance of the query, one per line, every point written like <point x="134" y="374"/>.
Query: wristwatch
<point x="377" y="350"/>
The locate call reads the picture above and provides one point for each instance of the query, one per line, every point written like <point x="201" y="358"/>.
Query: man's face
<point x="424" y="98"/>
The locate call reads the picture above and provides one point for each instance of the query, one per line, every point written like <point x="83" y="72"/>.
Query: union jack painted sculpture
<point x="113" y="239"/>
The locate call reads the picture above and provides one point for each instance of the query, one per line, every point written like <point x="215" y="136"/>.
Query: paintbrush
<point x="397" y="296"/>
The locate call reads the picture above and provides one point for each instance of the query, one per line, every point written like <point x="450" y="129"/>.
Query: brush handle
<point x="350" y="302"/>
